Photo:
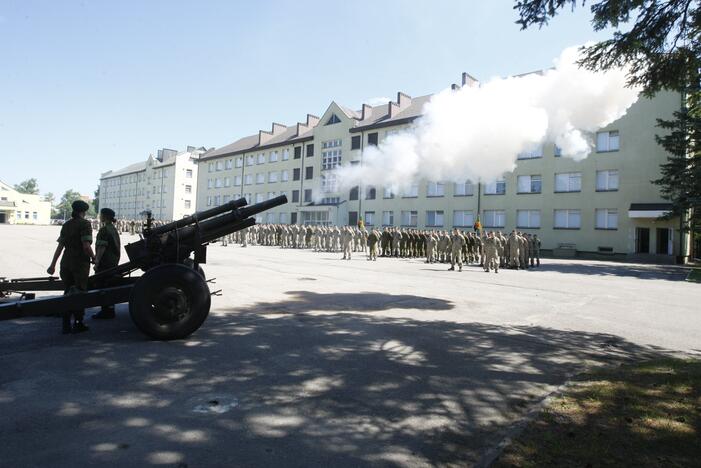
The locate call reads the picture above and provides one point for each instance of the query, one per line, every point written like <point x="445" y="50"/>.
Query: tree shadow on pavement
<point x="257" y="387"/>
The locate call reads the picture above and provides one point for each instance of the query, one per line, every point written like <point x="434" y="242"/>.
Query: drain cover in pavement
<point x="215" y="404"/>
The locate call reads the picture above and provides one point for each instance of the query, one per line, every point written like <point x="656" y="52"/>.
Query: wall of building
<point x="635" y="162"/>
<point x="22" y="208"/>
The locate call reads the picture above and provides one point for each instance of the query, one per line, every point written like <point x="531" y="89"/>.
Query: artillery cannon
<point x="172" y="298"/>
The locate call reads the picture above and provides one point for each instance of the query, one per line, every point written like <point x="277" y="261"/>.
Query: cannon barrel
<point x="176" y="245"/>
<point x="199" y="216"/>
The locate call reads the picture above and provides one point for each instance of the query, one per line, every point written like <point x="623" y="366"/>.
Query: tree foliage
<point x="63" y="209"/>
<point x="29" y="186"/>
<point x="661" y="45"/>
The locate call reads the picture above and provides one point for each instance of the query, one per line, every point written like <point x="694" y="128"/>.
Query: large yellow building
<point x="22" y="208"/>
<point x="604" y="204"/>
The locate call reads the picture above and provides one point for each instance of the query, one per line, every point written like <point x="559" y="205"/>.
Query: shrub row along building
<point x="603" y="204"/>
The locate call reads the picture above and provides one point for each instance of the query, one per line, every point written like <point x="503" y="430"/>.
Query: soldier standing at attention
<point x="107" y="252"/>
<point x="456" y="243"/>
<point x="76" y="240"/>
<point x="373" y="238"/>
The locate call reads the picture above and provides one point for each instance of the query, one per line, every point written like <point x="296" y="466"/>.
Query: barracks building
<point x="604" y="204"/>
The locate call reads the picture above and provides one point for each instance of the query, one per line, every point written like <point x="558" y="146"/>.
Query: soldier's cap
<point x="80" y="206"/>
<point x="108" y="212"/>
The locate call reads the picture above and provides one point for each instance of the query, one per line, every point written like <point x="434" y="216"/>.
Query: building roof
<point x="141" y="166"/>
<point x="380" y="115"/>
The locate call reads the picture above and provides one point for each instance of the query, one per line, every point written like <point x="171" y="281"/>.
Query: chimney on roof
<point x="278" y="128"/>
<point x="469" y="80"/>
<point x="454" y="87"/>
<point x="312" y="120"/>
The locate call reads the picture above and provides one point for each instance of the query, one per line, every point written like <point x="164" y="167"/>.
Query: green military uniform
<point x="75" y="263"/>
<point x="108" y="237"/>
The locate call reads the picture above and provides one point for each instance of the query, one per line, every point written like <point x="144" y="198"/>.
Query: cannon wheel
<point x="169" y="302"/>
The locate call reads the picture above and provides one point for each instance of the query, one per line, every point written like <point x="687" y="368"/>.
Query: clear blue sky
<point x="88" y="86"/>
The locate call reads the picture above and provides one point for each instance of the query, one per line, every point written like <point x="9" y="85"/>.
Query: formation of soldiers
<point x="492" y="250"/>
<point x="128" y="226"/>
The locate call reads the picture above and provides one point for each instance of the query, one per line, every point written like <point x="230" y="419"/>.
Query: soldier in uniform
<point x="75" y="241"/>
<point x="456" y="243"/>
<point x="373" y="238"/>
<point x="536" y="249"/>
<point x="107" y="252"/>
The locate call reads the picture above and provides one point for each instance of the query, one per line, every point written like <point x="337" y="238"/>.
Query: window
<point x="607" y="141"/>
<point x="307" y="195"/>
<point x="370" y="193"/>
<point x="295" y="196"/>
<point x="532" y="153"/>
<point x="259" y="197"/>
<point x="388" y="218"/>
<point x="285" y="157"/>
<point x="369" y="218"/>
<point x="557" y="151"/>
<point x="210" y="167"/>
<point x="237" y="181"/>
<point x="528" y="218"/>
<point x="372" y="139"/>
<point x="229" y="164"/>
<point x="209" y="201"/>
<point x="272" y="157"/>
<point x="310" y="150"/>
<point x="409" y="218"/>
<point x="250" y="160"/>
<point x="35" y="215"/>
<point x="217" y="200"/>
<point x="353" y="195"/>
<point x="412" y="191"/>
<point x="261" y="158"/>
<point x="188" y="204"/>
<point x="355" y="142"/>
<point x="329" y="183"/>
<point x="567" y="219"/>
<point x="494" y="218"/>
<point x="606" y="181"/>
<point x="464" y="189"/>
<point x="188" y="173"/>
<point x="387" y="193"/>
<point x="271" y="195"/>
<point x="260" y="178"/>
<point x="498" y="187"/>
<point x="188" y="189"/>
<point x="528" y="184"/>
<point x="463" y="218"/>
<point x="434" y="218"/>
<point x="331" y="143"/>
<point x="309" y="173"/>
<point x="220" y="166"/>
<point x="607" y="218"/>
<point x="272" y="176"/>
<point x="239" y="162"/>
<point x="210" y="184"/>
<point x="330" y="159"/>
<point x="568" y="182"/>
<point x="227" y="182"/>
<point x="248" y="180"/>
<point x="226" y="199"/>
<point x="333" y="120"/>
<point x="296" y="173"/>
<point x="283" y="218"/>
<point x="435" y="189"/>
<point x="270" y="218"/>
<point x="298" y="152"/>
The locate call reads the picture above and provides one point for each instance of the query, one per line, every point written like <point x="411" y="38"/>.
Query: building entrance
<point x="3" y="219"/>
<point x="664" y="241"/>
<point x="642" y="240"/>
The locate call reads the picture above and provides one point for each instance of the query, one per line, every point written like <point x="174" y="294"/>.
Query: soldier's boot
<point x="460" y="268"/>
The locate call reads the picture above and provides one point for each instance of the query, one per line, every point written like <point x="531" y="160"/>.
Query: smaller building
<point x="166" y="185"/>
<point x="22" y="208"/>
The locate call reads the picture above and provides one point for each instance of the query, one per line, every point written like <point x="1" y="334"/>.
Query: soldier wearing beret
<point x="75" y="242"/>
<point x="108" y="250"/>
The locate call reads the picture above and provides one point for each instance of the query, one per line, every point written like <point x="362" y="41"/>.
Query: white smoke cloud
<point x="477" y="133"/>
